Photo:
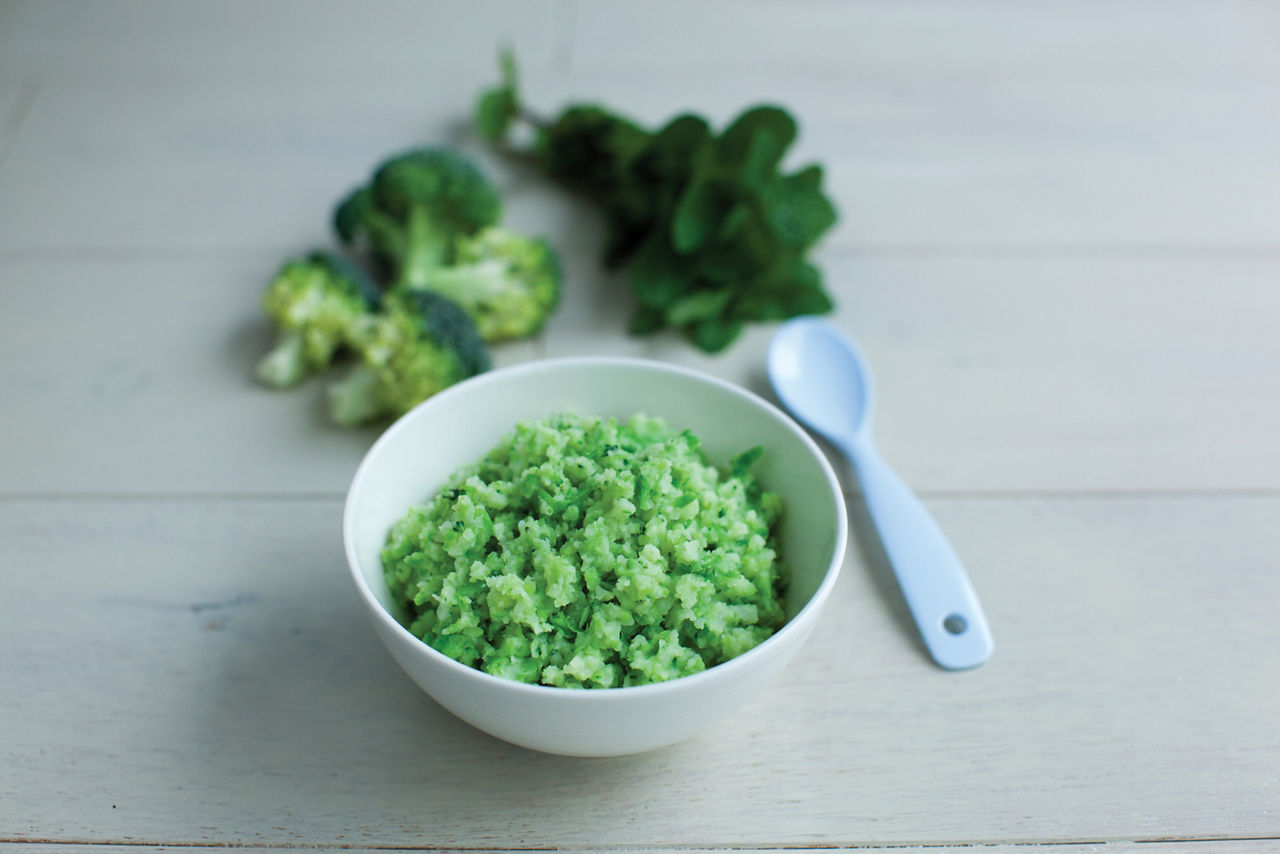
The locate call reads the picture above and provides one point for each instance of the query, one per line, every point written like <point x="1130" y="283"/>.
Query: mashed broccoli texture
<point x="585" y="553"/>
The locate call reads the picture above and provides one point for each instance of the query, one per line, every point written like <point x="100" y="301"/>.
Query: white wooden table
<point x="1060" y="247"/>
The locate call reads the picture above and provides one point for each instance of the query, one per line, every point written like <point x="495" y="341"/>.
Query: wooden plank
<point x="1139" y="374"/>
<point x="964" y="163"/>
<point x="1217" y="846"/>
<point x="249" y="40"/>
<point x="201" y="672"/>
<point x="1155" y="374"/>
<point x="136" y="375"/>
<point x="998" y="162"/>
<point x="998" y="38"/>
<point x="198" y="164"/>
<point x="991" y="125"/>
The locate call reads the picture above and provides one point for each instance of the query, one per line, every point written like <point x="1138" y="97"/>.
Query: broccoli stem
<point x="355" y="399"/>
<point x="472" y="283"/>
<point x="424" y="250"/>
<point x="285" y="365"/>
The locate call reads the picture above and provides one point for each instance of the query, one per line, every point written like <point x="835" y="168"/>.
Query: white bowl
<point x="412" y="459"/>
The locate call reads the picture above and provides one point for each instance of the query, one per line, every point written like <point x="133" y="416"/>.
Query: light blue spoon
<point x="819" y="374"/>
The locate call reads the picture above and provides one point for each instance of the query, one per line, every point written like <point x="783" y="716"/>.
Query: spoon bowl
<point x="838" y="401"/>
<point x="820" y="375"/>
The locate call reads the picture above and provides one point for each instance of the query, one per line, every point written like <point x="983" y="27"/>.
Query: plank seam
<point x="622" y="849"/>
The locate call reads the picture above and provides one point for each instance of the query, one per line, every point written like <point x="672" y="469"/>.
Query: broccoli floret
<point x="416" y="208"/>
<point x="429" y="216"/>
<point x="361" y="225"/>
<point x="421" y="211"/>
<point x="508" y="283"/>
<point x="421" y="344"/>
<point x="321" y="305"/>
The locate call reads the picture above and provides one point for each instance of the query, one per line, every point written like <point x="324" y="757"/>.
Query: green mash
<point x="585" y="553"/>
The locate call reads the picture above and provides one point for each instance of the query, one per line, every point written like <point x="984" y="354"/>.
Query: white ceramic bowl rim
<point x="598" y="695"/>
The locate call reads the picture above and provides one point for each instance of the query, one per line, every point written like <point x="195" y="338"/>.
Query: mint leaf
<point x="657" y="278"/>
<point x="714" y="335"/>
<point x="675" y="153"/>
<point x="756" y="141"/>
<point x="495" y="112"/>
<point x="498" y="107"/>
<point x="798" y="211"/>
<point x="698" y="215"/>
<point x="698" y="305"/>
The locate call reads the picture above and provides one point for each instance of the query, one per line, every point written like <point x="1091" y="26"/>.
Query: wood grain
<point x="1032" y="374"/>
<point x="956" y="163"/>
<point x="247" y="41"/>
<point x="1136" y="373"/>
<point x="1236" y="846"/>
<point x="137" y="376"/>
<point x="934" y="38"/>
<point x="200" y="671"/>
<point x="1058" y="246"/>
<point x="993" y="162"/>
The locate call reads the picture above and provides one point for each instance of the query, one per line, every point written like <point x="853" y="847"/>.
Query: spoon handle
<point x="933" y="581"/>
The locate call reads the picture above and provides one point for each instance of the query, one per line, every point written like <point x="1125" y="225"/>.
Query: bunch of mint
<point x="713" y="233"/>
